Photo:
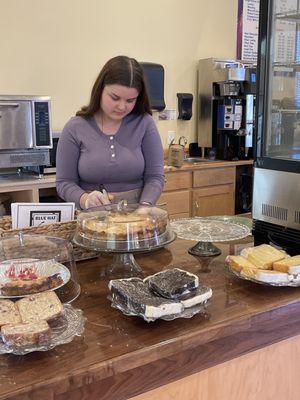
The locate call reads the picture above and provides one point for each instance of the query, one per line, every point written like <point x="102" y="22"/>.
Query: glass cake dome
<point x="34" y="263"/>
<point x="123" y="228"/>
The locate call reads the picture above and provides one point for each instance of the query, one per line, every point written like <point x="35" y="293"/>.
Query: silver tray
<point x="43" y="268"/>
<point x="186" y="313"/>
<point x="71" y="325"/>
<point x="246" y="278"/>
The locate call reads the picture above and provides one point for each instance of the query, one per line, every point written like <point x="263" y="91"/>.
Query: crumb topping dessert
<point x="117" y="226"/>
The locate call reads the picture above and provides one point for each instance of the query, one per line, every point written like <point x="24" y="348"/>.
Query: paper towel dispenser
<point x="155" y="81"/>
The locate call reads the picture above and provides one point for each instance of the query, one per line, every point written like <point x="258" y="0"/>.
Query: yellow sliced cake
<point x="290" y="265"/>
<point x="263" y="256"/>
<point x="239" y="262"/>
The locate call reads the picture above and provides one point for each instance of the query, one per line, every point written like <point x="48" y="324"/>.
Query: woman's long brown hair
<point x="120" y="70"/>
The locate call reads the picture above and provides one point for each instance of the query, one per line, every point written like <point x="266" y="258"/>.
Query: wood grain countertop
<point x="121" y="356"/>
<point x="206" y="164"/>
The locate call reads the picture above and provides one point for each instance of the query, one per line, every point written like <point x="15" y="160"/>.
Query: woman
<point x="112" y="143"/>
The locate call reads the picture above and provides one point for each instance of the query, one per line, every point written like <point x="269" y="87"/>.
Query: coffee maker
<point x="226" y="90"/>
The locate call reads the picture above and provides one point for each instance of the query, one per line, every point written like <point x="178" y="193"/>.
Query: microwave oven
<point x="25" y="130"/>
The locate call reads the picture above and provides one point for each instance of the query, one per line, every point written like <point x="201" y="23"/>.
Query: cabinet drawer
<point x="213" y="176"/>
<point x="178" y="180"/>
<point x="215" y="200"/>
<point x="175" y="202"/>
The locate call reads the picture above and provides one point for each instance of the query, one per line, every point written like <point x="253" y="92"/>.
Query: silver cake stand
<point x="205" y="231"/>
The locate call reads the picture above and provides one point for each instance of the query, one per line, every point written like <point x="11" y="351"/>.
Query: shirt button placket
<point x="112" y="148"/>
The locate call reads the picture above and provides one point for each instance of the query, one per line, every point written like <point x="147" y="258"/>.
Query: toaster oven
<point x="25" y="130"/>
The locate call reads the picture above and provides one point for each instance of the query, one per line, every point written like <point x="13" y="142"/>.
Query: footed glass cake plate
<point x="294" y="282"/>
<point x="70" y="325"/>
<point x="123" y="229"/>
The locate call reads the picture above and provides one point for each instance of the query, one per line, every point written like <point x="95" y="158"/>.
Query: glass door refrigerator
<point x="276" y="185"/>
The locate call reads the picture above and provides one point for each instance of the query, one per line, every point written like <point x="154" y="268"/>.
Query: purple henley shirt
<point x="130" y="159"/>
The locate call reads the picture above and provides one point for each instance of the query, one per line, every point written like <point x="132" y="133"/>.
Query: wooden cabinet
<point x="213" y="192"/>
<point x="199" y="192"/>
<point x="176" y="197"/>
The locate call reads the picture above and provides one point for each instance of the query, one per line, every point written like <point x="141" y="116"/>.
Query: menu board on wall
<point x="247" y="30"/>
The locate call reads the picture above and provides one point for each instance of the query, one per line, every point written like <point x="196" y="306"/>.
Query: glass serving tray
<point x="294" y="283"/>
<point x="233" y="219"/>
<point x="186" y="313"/>
<point x="41" y="269"/>
<point x="71" y="325"/>
<point x="208" y="230"/>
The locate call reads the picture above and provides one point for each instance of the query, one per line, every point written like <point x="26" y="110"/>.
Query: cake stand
<point x="205" y="231"/>
<point x="124" y="263"/>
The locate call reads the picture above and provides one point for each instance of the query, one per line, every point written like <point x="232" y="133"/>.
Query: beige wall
<point x="56" y="47"/>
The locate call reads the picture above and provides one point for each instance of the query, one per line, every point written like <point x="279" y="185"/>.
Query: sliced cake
<point x="239" y="262"/>
<point x="42" y="306"/>
<point x="134" y="295"/>
<point x="173" y="283"/>
<point x="19" y="287"/>
<point x="9" y="313"/>
<point x="23" y="334"/>
<point x="290" y="265"/>
<point x="263" y="256"/>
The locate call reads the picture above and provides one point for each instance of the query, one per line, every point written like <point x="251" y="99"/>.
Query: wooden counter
<point x="120" y="357"/>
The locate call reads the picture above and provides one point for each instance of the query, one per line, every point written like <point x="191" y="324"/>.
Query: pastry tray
<point x="294" y="283"/>
<point x="69" y="326"/>
<point x="186" y="313"/>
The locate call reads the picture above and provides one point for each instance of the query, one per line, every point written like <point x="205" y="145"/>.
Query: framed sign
<point x="24" y="215"/>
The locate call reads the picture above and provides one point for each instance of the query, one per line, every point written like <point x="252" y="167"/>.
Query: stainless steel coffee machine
<point x="226" y="93"/>
<point x="25" y="132"/>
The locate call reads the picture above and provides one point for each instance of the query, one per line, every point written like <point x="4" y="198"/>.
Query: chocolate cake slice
<point x="134" y="295"/>
<point x="172" y="283"/>
<point x="196" y="297"/>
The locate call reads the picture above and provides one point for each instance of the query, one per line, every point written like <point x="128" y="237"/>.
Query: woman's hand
<point x="95" y="199"/>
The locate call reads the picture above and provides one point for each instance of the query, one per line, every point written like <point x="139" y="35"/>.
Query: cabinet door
<point x="177" y="203"/>
<point x="178" y="180"/>
<point x="213" y="200"/>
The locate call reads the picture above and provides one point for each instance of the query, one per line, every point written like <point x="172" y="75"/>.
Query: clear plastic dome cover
<point x="33" y="257"/>
<point x="123" y="228"/>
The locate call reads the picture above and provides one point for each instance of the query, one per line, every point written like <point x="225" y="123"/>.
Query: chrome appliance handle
<point x="9" y="104"/>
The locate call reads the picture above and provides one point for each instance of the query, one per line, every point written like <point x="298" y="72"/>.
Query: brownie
<point x="172" y="283"/>
<point x="134" y="295"/>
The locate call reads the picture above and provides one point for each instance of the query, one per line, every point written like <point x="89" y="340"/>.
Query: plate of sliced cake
<point x="23" y="277"/>
<point x="169" y="294"/>
<point x="39" y="322"/>
<point x="266" y="265"/>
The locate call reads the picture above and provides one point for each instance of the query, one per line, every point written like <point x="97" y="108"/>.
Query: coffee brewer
<point x="226" y="90"/>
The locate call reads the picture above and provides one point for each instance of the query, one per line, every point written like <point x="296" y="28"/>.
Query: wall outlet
<point x="171" y="136"/>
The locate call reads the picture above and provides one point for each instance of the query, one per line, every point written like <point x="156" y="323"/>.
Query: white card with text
<point x="24" y="215"/>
